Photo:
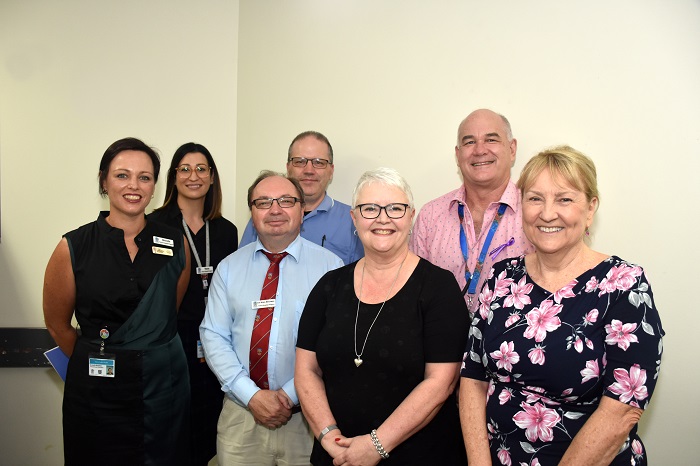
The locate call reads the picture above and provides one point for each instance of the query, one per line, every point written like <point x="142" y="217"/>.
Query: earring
<point x="410" y="231"/>
<point x="588" y="233"/>
<point x="354" y="232"/>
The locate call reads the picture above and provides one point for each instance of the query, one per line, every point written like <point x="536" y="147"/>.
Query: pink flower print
<point x="541" y="320"/>
<point x="620" y="334"/>
<point x="491" y="389"/>
<point x="504" y="396"/>
<point x="519" y="294"/>
<point x="565" y="292"/>
<point x="591" y="285"/>
<point x="535" y="394"/>
<point x="513" y="318"/>
<point x="503" y="378"/>
<point x="506" y="356"/>
<point x="537" y="420"/>
<point x="578" y="345"/>
<point x="504" y="456"/>
<point x="536" y="355"/>
<point x="591" y="371"/>
<point x="589" y="343"/>
<point x="502" y="285"/>
<point x="637" y="448"/>
<point x="630" y="385"/>
<point x="622" y="277"/>
<point x="591" y="317"/>
<point x="485" y="298"/>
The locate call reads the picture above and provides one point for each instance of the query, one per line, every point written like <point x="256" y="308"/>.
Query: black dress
<point x="206" y="395"/>
<point x="426" y="321"/>
<point x="137" y="416"/>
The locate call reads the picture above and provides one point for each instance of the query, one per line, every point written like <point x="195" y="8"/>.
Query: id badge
<point x="102" y="365"/>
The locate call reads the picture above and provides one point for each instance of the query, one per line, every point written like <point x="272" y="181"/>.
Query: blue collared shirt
<point x="229" y="317"/>
<point x="329" y="225"/>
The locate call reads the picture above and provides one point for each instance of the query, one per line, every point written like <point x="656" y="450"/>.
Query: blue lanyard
<point x="473" y="278"/>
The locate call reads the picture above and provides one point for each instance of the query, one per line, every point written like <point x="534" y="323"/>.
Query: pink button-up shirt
<point x="436" y="234"/>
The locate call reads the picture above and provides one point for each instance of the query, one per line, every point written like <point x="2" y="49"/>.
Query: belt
<point x="296" y="409"/>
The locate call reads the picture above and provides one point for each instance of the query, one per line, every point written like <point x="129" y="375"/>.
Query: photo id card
<point x="101" y="365"/>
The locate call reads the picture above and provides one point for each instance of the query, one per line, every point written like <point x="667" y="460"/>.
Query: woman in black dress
<point x="123" y="276"/>
<point x="193" y="205"/>
<point x="379" y="345"/>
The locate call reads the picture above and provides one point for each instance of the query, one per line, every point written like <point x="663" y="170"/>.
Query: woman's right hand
<point x="357" y="451"/>
<point x="330" y="444"/>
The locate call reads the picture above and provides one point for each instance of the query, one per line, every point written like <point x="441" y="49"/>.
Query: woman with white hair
<point x="380" y="342"/>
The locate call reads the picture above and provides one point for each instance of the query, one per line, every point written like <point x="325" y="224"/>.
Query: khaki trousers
<point x="241" y="442"/>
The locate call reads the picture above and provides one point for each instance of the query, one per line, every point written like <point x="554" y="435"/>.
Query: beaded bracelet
<point x="378" y="444"/>
<point x="325" y="431"/>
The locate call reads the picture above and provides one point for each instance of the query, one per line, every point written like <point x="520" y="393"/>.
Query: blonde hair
<point x="573" y="166"/>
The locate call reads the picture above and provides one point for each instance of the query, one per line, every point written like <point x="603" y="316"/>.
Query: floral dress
<point x="549" y="357"/>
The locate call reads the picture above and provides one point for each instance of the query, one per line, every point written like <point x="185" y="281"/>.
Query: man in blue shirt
<point x="327" y="222"/>
<point x="260" y="422"/>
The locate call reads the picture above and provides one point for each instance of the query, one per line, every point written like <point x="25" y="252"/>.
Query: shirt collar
<point x="510" y="196"/>
<point x="325" y="204"/>
<point x="293" y="249"/>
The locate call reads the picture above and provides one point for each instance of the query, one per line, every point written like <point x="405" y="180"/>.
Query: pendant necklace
<point x="358" y="359"/>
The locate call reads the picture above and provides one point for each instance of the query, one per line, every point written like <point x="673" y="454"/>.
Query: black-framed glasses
<point x="301" y="162"/>
<point x="184" y="171"/>
<point x="370" y="211"/>
<point x="265" y="203"/>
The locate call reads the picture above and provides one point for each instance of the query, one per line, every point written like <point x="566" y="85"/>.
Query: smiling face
<point x="314" y="181"/>
<point x="277" y="227"/>
<point x="194" y="186"/>
<point x="382" y="234"/>
<point x="555" y="214"/>
<point x="129" y="183"/>
<point x="484" y="153"/>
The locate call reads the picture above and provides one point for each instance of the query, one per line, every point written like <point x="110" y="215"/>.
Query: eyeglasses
<point x="301" y="162"/>
<point x="184" y="171"/>
<point x="265" y="203"/>
<point x="370" y="211"/>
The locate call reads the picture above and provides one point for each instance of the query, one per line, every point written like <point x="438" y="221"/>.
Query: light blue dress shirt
<point x="329" y="225"/>
<point x="228" y="321"/>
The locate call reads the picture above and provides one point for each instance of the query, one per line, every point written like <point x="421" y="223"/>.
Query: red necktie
<point x="260" y="339"/>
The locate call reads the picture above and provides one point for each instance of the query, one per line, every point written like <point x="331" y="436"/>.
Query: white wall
<point x="389" y="81"/>
<point x="75" y="76"/>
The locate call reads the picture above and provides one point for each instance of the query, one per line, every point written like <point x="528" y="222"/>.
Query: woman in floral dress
<point x="565" y="347"/>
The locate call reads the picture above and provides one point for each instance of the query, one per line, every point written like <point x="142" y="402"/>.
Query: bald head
<point x="484" y="113"/>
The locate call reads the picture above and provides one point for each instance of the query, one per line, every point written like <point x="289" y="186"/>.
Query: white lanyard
<point x="207" y="269"/>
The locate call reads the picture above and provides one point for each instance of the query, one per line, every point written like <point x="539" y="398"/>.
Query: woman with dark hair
<point x="193" y="204"/>
<point x="123" y="277"/>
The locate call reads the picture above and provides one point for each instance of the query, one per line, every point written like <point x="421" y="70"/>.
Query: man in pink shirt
<point x="469" y="229"/>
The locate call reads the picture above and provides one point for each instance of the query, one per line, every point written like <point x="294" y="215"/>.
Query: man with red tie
<point x="250" y="325"/>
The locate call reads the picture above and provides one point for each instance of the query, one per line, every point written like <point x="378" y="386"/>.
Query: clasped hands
<point x="351" y="451"/>
<point x="271" y="408"/>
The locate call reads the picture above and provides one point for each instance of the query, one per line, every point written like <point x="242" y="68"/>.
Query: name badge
<point x="162" y="251"/>
<point x="205" y="270"/>
<point x="163" y="241"/>
<point x="101" y="367"/>
<point x="263" y="303"/>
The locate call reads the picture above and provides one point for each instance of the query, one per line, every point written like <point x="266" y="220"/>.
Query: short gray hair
<point x="385" y="176"/>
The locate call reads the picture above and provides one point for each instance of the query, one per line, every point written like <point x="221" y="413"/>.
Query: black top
<point x="141" y="411"/>
<point x="109" y="286"/>
<point x="223" y="240"/>
<point x="426" y="321"/>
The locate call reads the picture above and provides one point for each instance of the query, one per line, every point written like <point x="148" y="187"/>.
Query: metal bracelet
<point x="378" y="444"/>
<point x="325" y="431"/>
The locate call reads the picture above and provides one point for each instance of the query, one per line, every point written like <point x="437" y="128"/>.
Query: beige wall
<point x="387" y="81"/>
<point x="76" y="75"/>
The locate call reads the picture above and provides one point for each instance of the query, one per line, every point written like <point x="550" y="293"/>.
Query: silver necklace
<point x="358" y="359"/>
